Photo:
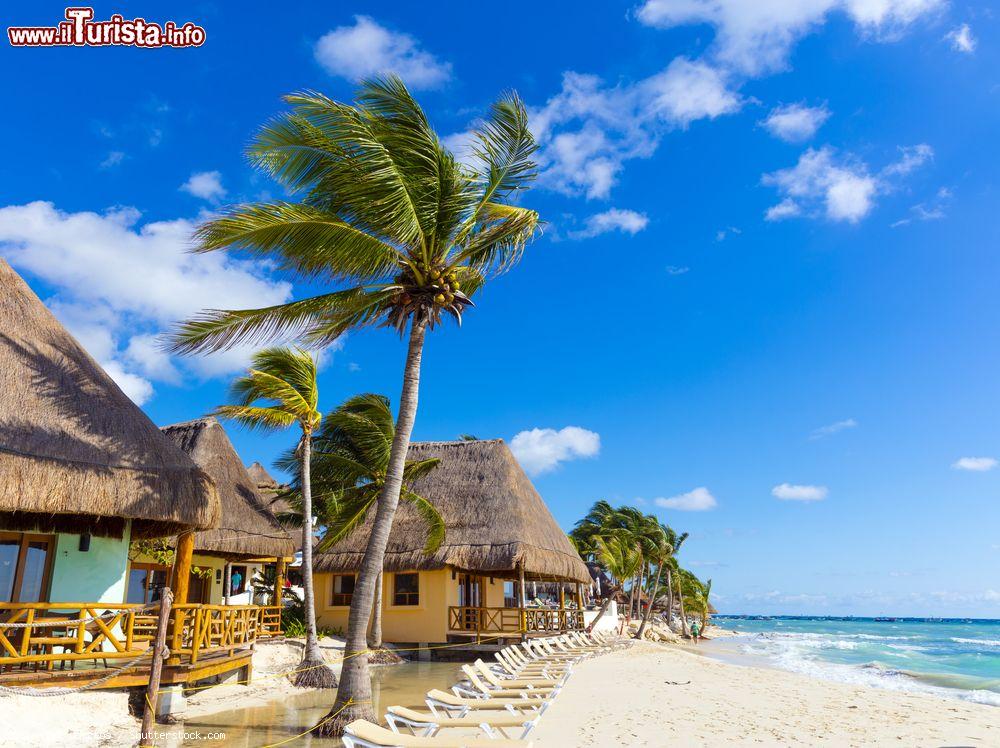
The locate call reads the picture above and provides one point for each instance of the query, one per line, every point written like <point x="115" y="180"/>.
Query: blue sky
<point x="764" y="305"/>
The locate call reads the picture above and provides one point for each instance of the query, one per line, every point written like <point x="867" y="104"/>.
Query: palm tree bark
<point x="354" y="697"/>
<point x="604" y="607"/>
<point x="649" y="608"/>
<point x="670" y="599"/>
<point x="680" y="598"/>
<point x="375" y="635"/>
<point x="313" y="670"/>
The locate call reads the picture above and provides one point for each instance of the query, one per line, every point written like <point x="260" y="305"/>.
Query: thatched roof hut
<point x="269" y="489"/>
<point x="246" y="527"/>
<point x="76" y="455"/>
<point x="494" y="516"/>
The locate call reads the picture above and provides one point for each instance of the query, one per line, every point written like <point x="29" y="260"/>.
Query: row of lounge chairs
<point x="500" y="698"/>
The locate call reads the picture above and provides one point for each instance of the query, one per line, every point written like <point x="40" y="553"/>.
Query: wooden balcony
<point x="84" y="640"/>
<point x="476" y="621"/>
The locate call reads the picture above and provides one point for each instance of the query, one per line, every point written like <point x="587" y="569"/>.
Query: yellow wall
<point x="426" y="622"/>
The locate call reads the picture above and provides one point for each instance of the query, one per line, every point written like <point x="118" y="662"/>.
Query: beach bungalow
<point x="82" y="469"/>
<point x="83" y="473"/>
<point x="226" y="558"/>
<point x="500" y="537"/>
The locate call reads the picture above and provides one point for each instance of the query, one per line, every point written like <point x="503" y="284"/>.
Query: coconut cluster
<point x="439" y="292"/>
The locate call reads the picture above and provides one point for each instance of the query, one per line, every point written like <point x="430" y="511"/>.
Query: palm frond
<point x="436" y="528"/>
<point x="301" y="239"/>
<point x="257" y="417"/>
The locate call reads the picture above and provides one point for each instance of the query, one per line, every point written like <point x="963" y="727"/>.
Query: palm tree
<point x="350" y="459"/>
<point x="616" y="551"/>
<point x="403" y="231"/>
<point x="279" y="391"/>
<point x="661" y="551"/>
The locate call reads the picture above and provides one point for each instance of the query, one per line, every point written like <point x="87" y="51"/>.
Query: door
<point x="470" y="598"/>
<point x="25" y="565"/>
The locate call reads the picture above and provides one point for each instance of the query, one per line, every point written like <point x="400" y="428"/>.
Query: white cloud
<point x="588" y="130"/>
<point x="976" y="464"/>
<point x="787" y="208"/>
<point x="961" y="39"/>
<point x="114" y="158"/>
<point x="615" y="219"/>
<point x="367" y="49"/>
<point x="833" y="428"/>
<point x="697" y="500"/>
<point x="911" y="158"/>
<point x="119" y="284"/>
<point x="205" y="184"/>
<point x="757" y="36"/>
<point x="791" y="492"/>
<point x="840" y="186"/>
<point x="795" y="123"/>
<point x="677" y="269"/>
<point x="542" y="450"/>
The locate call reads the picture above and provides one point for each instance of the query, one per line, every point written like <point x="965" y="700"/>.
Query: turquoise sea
<point x="950" y="657"/>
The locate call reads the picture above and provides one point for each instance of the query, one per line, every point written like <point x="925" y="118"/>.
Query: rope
<point x="73" y="623"/>
<point x="67" y="691"/>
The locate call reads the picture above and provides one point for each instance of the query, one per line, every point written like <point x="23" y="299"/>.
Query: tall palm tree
<point x="661" y="551"/>
<point x="350" y="459"/>
<point x="403" y="232"/>
<point x="279" y="391"/>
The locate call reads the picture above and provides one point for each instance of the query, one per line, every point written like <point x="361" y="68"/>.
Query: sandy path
<point x="626" y="698"/>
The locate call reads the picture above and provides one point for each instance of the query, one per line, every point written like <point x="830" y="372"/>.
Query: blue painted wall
<point x="97" y="575"/>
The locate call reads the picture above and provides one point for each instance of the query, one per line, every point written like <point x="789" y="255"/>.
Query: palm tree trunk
<point x="649" y="608"/>
<point x="670" y="598"/>
<point x="313" y="670"/>
<point x="680" y="597"/>
<point x="354" y="697"/>
<point x="375" y="635"/>
<point x="604" y="607"/>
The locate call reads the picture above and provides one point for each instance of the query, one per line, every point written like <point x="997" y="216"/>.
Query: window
<point x="406" y="589"/>
<point x="145" y="582"/>
<point x="343" y="589"/>
<point x="25" y="561"/>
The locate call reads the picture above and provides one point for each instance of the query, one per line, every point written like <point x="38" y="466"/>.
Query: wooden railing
<point x="102" y="631"/>
<point x="513" y="620"/>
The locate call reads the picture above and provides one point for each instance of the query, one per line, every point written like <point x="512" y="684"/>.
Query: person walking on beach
<point x="695" y="631"/>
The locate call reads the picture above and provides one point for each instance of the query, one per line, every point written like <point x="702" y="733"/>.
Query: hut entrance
<point x="470" y="599"/>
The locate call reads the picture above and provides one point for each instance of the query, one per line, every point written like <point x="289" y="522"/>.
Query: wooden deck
<point x="477" y="621"/>
<point x="72" y="643"/>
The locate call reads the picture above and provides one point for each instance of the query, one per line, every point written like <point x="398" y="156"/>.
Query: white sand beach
<point x="634" y="697"/>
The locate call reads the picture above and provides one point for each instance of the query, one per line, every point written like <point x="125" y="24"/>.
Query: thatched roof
<point x="246" y="527"/>
<point x="76" y="455"/>
<point x="495" y="519"/>
<point x="272" y="492"/>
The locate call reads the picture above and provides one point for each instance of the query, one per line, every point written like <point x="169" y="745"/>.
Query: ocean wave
<point x="979" y="642"/>
<point x="810" y="654"/>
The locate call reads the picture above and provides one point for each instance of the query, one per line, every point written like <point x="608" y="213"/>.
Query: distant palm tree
<point x="405" y="233"/>
<point x="279" y="391"/>
<point x="350" y="459"/>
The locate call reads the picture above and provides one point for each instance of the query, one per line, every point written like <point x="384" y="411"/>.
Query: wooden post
<point x="523" y="602"/>
<point x="227" y="582"/>
<point x="155" y="669"/>
<point x="279" y="582"/>
<point x="180" y="580"/>
<point x="579" y="605"/>
<point x="182" y="566"/>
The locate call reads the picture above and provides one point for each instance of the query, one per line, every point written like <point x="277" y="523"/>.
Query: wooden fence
<point x="48" y="634"/>
<point x="464" y="618"/>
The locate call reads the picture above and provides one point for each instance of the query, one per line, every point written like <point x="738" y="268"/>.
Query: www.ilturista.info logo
<point x="80" y="30"/>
